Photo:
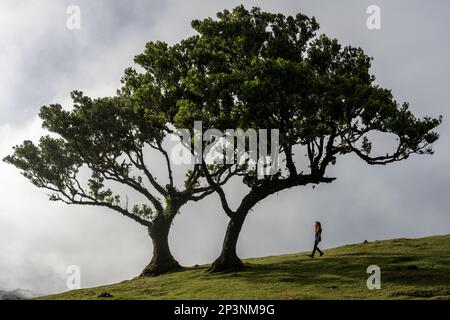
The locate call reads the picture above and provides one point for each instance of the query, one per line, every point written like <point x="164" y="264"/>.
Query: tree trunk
<point x="162" y="260"/>
<point x="228" y="261"/>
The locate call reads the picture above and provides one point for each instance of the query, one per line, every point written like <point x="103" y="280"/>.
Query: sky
<point x="41" y="61"/>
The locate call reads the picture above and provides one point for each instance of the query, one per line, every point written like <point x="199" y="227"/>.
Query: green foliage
<point x="51" y="163"/>
<point x="158" y="89"/>
<point x="143" y="211"/>
<point x="366" y="145"/>
<point x="253" y="69"/>
<point x="105" y="137"/>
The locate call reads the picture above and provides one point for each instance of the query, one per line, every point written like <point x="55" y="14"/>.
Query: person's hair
<point x="318" y="224"/>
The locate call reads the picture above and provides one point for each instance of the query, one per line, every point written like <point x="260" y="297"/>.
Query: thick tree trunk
<point x="228" y="261"/>
<point x="162" y="260"/>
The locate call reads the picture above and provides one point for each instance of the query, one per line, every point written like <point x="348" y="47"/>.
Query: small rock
<point x="105" y="295"/>
<point x="332" y="287"/>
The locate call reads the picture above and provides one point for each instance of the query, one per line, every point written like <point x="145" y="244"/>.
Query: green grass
<point x="410" y="269"/>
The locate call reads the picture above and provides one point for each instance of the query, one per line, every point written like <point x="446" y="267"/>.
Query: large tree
<point x="103" y="149"/>
<point x="253" y="69"/>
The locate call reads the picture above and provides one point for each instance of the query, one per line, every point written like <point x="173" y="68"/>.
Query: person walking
<point x="317" y="238"/>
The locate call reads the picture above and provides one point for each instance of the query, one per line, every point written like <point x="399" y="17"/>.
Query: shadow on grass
<point x="395" y="269"/>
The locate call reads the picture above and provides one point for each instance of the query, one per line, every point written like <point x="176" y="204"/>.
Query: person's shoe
<point x="310" y="255"/>
<point x="321" y="254"/>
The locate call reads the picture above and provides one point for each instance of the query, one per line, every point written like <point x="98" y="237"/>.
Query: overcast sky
<point x="41" y="61"/>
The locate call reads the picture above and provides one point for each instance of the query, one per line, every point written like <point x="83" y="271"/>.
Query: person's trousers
<point x="316" y="243"/>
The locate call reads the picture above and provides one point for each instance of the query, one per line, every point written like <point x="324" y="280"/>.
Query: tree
<point x="253" y="69"/>
<point x="103" y="143"/>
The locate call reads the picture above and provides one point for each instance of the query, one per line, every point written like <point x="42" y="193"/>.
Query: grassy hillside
<point x="410" y="268"/>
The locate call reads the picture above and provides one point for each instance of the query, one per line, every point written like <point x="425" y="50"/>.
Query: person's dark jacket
<point x="318" y="236"/>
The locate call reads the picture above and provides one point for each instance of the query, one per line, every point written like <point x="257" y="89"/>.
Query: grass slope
<point x="410" y="268"/>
